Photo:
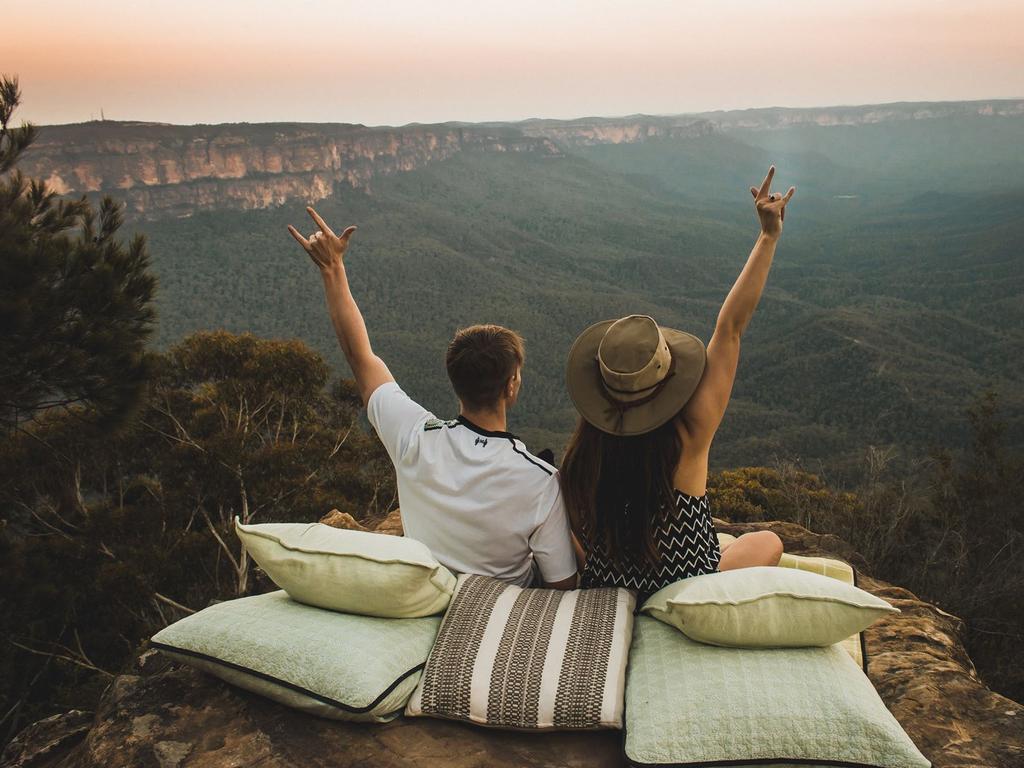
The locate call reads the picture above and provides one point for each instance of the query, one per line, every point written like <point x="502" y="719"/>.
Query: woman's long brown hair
<point x="617" y="488"/>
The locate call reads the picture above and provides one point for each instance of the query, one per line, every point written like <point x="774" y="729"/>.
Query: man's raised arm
<point x="328" y="253"/>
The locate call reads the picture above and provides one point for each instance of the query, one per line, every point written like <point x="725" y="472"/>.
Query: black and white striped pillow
<point x="529" y="658"/>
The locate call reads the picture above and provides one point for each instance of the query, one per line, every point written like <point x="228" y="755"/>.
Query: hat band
<point x="635" y="391"/>
<point x="618" y="407"/>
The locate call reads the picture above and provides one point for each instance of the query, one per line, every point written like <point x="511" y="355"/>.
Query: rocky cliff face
<point x="160" y="714"/>
<point x="174" y="170"/>
<point x="162" y="170"/>
<point x="627" y="130"/>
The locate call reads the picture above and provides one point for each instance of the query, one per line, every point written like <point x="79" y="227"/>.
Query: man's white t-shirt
<point x="478" y="499"/>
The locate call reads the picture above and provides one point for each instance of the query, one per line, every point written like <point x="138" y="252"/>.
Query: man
<point x="468" y="489"/>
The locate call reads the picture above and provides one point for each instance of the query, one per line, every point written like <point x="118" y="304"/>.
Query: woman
<point x="650" y="400"/>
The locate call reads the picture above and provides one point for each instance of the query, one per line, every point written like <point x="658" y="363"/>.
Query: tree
<point x="76" y="305"/>
<point x="232" y="425"/>
<point x="974" y="555"/>
<point x="244" y="427"/>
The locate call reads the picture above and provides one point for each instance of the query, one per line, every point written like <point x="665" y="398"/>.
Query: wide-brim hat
<point x="629" y="376"/>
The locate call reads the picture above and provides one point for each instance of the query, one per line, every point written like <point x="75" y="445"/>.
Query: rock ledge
<point x="160" y="714"/>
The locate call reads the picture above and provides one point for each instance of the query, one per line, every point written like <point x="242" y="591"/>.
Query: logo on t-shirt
<point x="481" y="441"/>
<point x="430" y="424"/>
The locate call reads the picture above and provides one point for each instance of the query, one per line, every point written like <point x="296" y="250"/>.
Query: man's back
<point x="477" y="498"/>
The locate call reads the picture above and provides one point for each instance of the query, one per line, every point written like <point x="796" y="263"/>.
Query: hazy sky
<point x="385" y="62"/>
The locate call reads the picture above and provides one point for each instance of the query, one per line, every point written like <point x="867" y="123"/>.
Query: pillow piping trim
<point x="863" y="645"/>
<point x="745" y="761"/>
<point x="434" y="569"/>
<point x="747" y="601"/>
<point x="654" y="612"/>
<point x="292" y="686"/>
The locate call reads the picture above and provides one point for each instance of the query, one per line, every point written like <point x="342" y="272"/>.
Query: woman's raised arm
<point x="704" y="410"/>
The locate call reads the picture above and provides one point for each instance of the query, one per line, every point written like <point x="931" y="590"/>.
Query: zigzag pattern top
<point x="688" y="544"/>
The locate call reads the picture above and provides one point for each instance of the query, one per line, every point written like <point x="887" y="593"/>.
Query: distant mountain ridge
<point x="165" y="170"/>
<point x="774" y="118"/>
<point x="767" y="118"/>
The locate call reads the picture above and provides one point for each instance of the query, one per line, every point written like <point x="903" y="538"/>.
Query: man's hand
<point x="328" y="252"/>
<point x="325" y="248"/>
<point x="770" y="206"/>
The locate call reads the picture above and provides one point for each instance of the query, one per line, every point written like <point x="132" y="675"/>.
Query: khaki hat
<point x="629" y="376"/>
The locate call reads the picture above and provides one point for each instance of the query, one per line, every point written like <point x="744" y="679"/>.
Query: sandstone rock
<point x="392" y="524"/>
<point x="47" y="741"/>
<point x="168" y="715"/>
<point x="337" y="519"/>
<point x="162" y="170"/>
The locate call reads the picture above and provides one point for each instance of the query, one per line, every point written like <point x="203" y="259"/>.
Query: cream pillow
<point x="372" y="574"/>
<point x="836" y="569"/>
<point x="766" y="607"/>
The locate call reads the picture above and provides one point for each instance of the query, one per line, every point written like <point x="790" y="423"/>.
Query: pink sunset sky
<point x="386" y="62"/>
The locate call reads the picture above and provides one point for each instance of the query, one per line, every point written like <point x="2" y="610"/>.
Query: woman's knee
<point x="769" y="546"/>
<point x="773" y="546"/>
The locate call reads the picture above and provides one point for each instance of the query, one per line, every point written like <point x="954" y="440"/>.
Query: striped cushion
<point x="529" y="658"/>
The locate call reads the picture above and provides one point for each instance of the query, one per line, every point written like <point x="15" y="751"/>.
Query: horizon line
<point x="537" y="119"/>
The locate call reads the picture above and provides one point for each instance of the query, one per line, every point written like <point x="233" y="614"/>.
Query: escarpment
<point x="172" y="170"/>
<point x="162" y="170"/>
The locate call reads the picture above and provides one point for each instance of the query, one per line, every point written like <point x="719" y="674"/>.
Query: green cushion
<point x="693" y="704"/>
<point x="372" y="574"/>
<point x="766" y="607"/>
<point x="331" y="664"/>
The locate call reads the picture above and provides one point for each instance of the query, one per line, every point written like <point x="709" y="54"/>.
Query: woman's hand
<point x="325" y="248"/>
<point x="770" y="206"/>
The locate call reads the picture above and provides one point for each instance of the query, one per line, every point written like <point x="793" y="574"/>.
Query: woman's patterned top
<point x="688" y="544"/>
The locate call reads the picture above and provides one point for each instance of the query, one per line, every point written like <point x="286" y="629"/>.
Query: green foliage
<point x="755" y="494"/>
<point x="972" y="559"/>
<point x="75" y="303"/>
<point x="112" y="536"/>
